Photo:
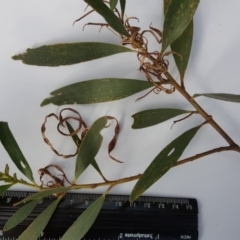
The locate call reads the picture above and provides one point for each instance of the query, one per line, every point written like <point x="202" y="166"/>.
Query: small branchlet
<point x="6" y="178"/>
<point x="189" y="115"/>
<point x="12" y="179"/>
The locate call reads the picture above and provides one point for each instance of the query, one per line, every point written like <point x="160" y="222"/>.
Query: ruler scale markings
<point x="176" y="216"/>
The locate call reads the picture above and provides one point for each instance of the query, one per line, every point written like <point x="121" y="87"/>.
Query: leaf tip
<point x="5" y="228"/>
<point x="17" y="57"/>
<point x="134" y="126"/>
<point x="45" y="102"/>
<point x="132" y="197"/>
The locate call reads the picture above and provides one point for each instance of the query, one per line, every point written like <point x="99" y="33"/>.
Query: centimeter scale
<point x="148" y="218"/>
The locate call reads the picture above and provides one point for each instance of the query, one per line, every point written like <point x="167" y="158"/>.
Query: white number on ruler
<point x="118" y="204"/>
<point x="161" y="205"/>
<point x="189" y="207"/>
<point x="132" y="204"/>
<point x="147" y="205"/>
<point x="175" y="206"/>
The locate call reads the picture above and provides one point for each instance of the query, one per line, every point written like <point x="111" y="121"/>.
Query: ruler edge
<point x="13" y="193"/>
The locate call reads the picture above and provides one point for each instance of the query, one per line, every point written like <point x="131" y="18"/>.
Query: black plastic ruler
<point x="148" y="218"/>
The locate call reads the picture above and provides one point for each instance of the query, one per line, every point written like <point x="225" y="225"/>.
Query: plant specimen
<point x="177" y="33"/>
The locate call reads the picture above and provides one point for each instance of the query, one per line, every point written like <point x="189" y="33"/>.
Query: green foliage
<point x="113" y="4"/>
<point x="10" y="180"/>
<point x="68" y="53"/>
<point x="177" y="33"/>
<point x="37" y="226"/>
<point x="163" y="162"/>
<point x="165" y="5"/>
<point x="44" y="193"/>
<point x="220" y="96"/>
<point x="80" y="227"/>
<point x="179" y="14"/>
<point x="123" y="5"/>
<point x="21" y="214"/>
<point x="90" y="146"/>
<point x="152" y="117"/>
<point x="78" y="143"/>
<point x="182" y="45"/>
<point x="96" y="91"/>
<point x="108" y="15"/>
<point x="6" y="171"/>
<point x="13" y="150"/>
<point x="4" y="188"/>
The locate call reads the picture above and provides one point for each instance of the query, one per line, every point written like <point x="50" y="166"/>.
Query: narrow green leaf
<point x="37" y="226"/>
<point x="96" y="167"/>
<point x="68" y="53"/>
<point x="96" y="91"/>
<point x="152" y="117"/>
<point x="163" y="162"/>
<point x="165" y="5"/>
<point x="78" y="142"/>
<point x="123" y="5"/>
<point x="108" y="15"/>
<point x="4" y="188"/>
<point x="90" y="146"/>
<point x="220" y="96"/>
<point x="15" y="177"/>
<point x="6" y="170"/>
<point x="44" y="193"/>
<point x="20" y="215"/>
<point x="178" y="16"/>
<point x="83" y="223"/>
<point x="75" y="137"/>
<point x="113" y="4"/>
<point x="5" y="178"/>
<point x="13" y="150"/>
<point x="182" y="45"/>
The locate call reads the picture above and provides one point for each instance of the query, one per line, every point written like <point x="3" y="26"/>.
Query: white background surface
<point x="214" y="67"/>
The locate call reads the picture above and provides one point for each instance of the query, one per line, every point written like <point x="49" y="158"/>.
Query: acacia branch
<point x="208" y="118"/>
<point x="107" y="183"/>
<point x="203" y="154"/>
<point x="186" y="95"/>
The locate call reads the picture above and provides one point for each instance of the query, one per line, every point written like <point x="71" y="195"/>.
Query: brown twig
<point x="179" y="120"/>
<point x="203" y="154"/>
<point x="200" y="110"/>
